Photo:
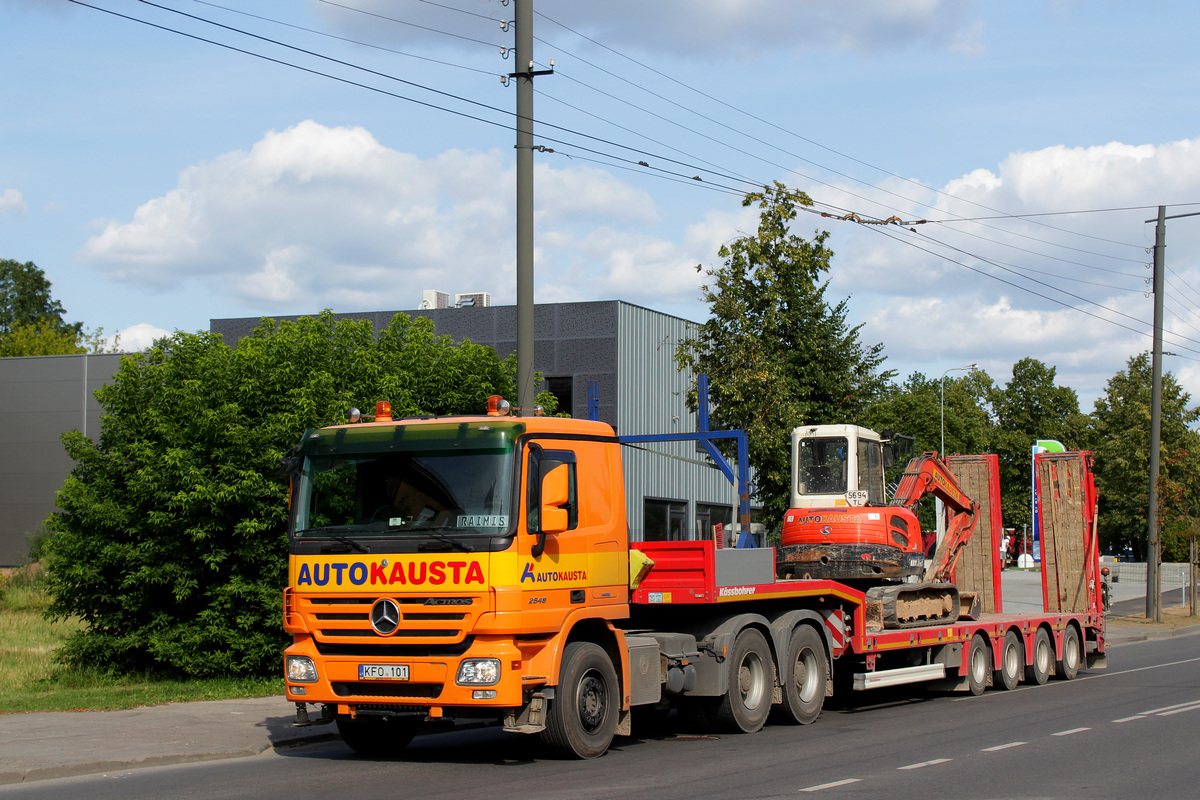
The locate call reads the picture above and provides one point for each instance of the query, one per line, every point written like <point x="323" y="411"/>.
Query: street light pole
<point x="941" y="522"/>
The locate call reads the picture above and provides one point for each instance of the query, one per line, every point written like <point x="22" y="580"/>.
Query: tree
<point x="1120" y="436"/>
<point x="1030" y="407"/>
<point x="170" y="542"/>
<point x="776" y="352"/>
<point x="25" y="299"/>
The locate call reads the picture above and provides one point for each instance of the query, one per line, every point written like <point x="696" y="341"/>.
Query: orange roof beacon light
<point x="383" y="411"/>
<point x="498" y="406"/>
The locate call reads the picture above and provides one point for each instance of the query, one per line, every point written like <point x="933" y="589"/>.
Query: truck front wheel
<point x="583" y="714"/>
<point x="751" y="677"/>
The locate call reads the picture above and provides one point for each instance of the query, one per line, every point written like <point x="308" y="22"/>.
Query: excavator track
<point x="911" y="605"/>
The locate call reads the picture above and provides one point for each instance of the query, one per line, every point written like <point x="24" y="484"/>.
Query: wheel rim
<point x="1012" y="660"/>
<point x="979" y="665"/>
<point x="805" y="676"/>
<point x="1071" y="652"/>
<point x="752" y="680"/>
<point x="1043" y="655"/>
<point x="593" y="701"/>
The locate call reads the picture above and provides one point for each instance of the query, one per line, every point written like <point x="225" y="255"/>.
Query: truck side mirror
<point x="290" y="464"/>
<point x="554" y="494"/>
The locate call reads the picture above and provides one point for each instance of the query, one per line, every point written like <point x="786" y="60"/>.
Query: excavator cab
<point x="837" y="466"/>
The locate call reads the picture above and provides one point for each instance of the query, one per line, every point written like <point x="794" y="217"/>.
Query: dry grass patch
<point x="1173" y="617"/>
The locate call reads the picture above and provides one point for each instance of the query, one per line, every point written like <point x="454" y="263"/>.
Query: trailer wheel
<point x="583" y="715"/>
<point x="1043" y="656"/>
<point x="378" y="737"/>
<point x="803" y="674"/>
<point x="979" y="664"/>
<point x="1012" y="660"/>
<point x="751" y="678"/>
<point x="1068" y="667"/>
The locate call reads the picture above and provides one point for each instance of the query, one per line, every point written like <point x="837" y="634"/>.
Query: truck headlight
<point x="301" y="669"/>
<point x="478" y="672"/>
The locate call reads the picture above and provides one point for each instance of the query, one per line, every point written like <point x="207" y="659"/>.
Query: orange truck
<point x="448" y="568"/>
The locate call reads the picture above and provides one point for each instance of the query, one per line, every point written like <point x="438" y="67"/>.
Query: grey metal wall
<point x="652" y="398"/>
<point x="41" y="398"/>
<point x="570" y="339"/>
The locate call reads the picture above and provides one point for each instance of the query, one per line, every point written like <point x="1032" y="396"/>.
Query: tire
<point x="750" y="684"/>
<point x="378" y="737"/>
<point x="1072" y="655"/>
<point x="802" y="676"/>
<point x="979" y="664"/>
<point x="1012" y="662"/>
<point x="583" y="715"/>
<point x="1043" y="657"/>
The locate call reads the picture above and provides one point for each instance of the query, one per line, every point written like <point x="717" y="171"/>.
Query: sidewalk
<point x="61" y="744"/>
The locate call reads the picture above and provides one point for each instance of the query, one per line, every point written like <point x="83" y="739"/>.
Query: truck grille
<point x="436" y="621"/>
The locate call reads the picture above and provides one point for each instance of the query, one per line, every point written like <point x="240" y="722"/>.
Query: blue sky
<point x="162" y="181"/>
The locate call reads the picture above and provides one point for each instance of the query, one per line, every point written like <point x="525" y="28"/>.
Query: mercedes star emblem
<point x="385" y="616"/>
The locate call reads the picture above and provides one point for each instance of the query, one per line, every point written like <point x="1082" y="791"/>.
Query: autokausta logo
<point x="552" y="575"/>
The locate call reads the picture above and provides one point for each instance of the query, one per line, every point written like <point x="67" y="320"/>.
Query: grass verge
<point x="1172" y="617"/>
<point x="30" y="680"/>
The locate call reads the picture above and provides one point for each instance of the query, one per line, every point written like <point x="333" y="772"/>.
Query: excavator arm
<point x="928" y="475"/>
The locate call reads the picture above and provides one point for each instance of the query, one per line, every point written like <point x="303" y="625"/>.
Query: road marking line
<point x="926" y="763"/>
<point x="833" y="785"/>
<point x="1130" y="719"/>
<point x="1068" y="733"/>
<point x="1169" y="708"/>
<point x="1180" y="710"/>
<point x="1002" y="747"/>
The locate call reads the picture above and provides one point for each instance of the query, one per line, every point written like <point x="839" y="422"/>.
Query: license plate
<point x="383" y="672"/>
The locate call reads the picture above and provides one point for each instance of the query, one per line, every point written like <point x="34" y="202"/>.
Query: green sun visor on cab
<point x="491" y="437"/>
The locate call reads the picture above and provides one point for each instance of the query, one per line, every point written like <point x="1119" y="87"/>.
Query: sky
<point x="361" y="151"/>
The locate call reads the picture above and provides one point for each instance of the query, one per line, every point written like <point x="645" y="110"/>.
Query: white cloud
<point x="139" y="337"/>
<point x="952" y="297"/>
<point x="709" y="29"/>
<point x="315" y="217"/>
<point x="11" y="202"/>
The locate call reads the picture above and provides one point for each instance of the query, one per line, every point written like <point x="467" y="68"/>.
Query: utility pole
<point x="1153" y="540"/>
<point x="1153" y="578"/>
<point x="526" y="397"/>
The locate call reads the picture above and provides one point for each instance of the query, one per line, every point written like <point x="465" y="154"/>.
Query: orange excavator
<point x="840" y="526"/>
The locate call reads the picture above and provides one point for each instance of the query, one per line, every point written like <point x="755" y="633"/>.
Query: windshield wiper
<point x="346" y="540"/>
<point x="441" y="537"/>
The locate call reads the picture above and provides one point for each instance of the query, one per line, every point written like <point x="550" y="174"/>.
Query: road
<point x="1125" y="732"/>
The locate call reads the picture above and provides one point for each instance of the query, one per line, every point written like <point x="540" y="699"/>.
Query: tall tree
<point x="25" y="300"/>
<point x="777" y="353"/>
<point x="1030" y="407"/>
<point x="1120" y="436"/>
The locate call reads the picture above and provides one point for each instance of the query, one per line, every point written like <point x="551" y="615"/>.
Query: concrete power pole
<point x="526" y="397"/>
<point x="1153" y="549"/>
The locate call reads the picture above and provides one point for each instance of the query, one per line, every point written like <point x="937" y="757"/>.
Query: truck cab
<point x="439" y="565"/>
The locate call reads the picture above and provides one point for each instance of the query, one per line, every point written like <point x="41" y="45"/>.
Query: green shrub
<point x="170" y="544"/>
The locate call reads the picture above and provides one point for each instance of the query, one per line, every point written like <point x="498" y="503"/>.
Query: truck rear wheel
<point x="1043" y="656"/>
<point x="379" y="737"/>
<point x="802" y="675"/>
<point x="1012" y="660"/>
<point x="583" y="714"/>
<point x="979" y="664"/>
<point x="751" y="679"/>
<point x="1068" y="667"/>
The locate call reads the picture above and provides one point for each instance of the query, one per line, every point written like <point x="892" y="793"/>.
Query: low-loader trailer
<point x="481" y="566"/>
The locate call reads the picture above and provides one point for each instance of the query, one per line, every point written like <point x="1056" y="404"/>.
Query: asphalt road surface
<point x="1129" y="731"/>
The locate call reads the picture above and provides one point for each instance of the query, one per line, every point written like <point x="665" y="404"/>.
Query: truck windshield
<point x="821" y="465"/>
<point x="400" y="480"/>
